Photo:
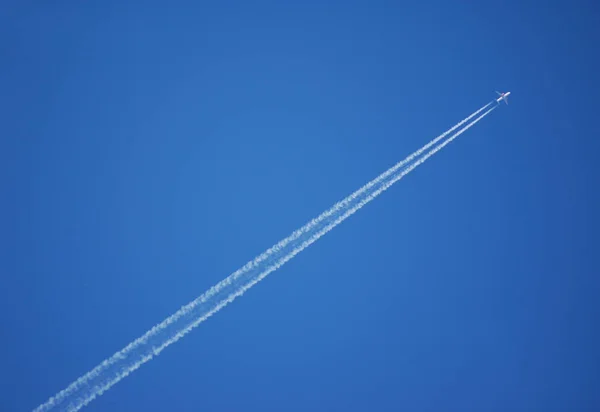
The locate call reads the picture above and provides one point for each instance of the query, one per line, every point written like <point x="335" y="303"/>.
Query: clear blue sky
<point x="147" y="151"/>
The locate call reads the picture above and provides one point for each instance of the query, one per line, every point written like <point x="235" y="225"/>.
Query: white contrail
<point x="121" y="364"/>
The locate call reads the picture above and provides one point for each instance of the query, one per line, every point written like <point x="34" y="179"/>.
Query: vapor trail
<point x="121" y="364"/>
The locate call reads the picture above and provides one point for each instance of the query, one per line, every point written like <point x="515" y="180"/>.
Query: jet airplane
<point x="503" y="96"/>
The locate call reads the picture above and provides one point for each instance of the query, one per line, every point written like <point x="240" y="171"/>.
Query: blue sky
<point x="146" y="152"/>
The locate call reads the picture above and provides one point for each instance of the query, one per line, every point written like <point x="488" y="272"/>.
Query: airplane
<point x="503" y="96"/>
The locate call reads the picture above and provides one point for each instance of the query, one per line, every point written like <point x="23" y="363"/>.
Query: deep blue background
<point x="148" y="150"/>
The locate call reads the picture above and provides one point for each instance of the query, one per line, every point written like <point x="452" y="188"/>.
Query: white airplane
<point x="503" y="96"/>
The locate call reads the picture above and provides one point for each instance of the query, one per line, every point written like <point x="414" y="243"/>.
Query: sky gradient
<point x="146" y="152"/>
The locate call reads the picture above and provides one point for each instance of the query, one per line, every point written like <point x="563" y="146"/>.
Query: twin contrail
<point x="112" y="370"/>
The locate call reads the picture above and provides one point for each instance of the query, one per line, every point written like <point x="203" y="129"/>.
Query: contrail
<point x="112" y="370"/>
